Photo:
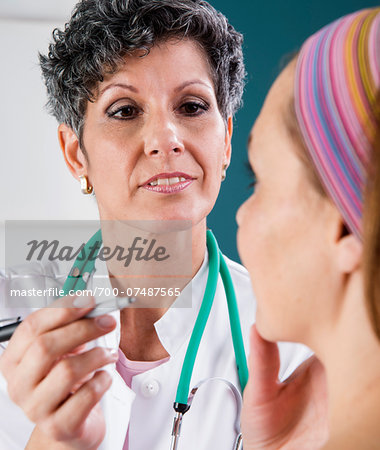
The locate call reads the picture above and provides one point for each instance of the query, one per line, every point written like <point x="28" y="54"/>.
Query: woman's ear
<point x="74" y="157"/>
<point x="350" y="250"/>
<point x="229" y="131"/>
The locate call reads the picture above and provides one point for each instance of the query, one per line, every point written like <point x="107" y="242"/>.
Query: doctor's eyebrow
<point x="189" y="83"/>
<point x="122" y="85"/>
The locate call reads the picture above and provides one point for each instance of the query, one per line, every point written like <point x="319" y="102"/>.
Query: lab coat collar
<point x="176" y="324"/>
<point x="117" y="402"/>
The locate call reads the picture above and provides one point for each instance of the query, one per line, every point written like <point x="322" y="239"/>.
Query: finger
<point x="61" y="312"/>
<point x="69" y="420"/>
<point x="309" y="376"/>
<point x="50" y="394"/>
<point x="80" y="349"/>
<point x="76" y="351"/>
<point x="47" y="348"/>
<point x="264" y="365"/>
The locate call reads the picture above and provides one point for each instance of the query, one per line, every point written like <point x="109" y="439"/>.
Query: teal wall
<point x="271" y="30"/>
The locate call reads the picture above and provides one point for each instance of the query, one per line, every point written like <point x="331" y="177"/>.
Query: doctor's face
<point x="155" y="139"/>
<point x="285" y="228"/>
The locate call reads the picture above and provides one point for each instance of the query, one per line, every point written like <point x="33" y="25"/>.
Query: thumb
<point x="264" y="365"/>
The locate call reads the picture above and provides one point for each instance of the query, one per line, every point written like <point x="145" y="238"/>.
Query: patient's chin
<point x="271" y="327"/>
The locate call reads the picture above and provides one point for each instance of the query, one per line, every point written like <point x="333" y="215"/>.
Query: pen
<point x="111" y="305"/>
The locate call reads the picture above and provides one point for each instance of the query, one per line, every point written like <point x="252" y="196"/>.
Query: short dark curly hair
<point x="101" y="32"/>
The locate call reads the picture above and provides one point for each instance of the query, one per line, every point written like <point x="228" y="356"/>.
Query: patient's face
<point x="284" y="227"/>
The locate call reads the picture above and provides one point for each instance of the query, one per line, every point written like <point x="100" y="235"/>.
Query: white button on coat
<point x="150" y="388"/>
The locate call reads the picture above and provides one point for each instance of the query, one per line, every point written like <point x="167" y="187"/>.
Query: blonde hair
<point x="371" y="230"/>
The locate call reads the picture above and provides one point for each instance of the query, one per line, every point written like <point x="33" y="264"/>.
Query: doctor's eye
<point x="252" y="175"/>
<point x="124" y="112"/>
<point x="193" y="108"/>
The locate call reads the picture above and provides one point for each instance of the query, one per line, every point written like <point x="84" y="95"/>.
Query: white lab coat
<point x="148" y="407"/>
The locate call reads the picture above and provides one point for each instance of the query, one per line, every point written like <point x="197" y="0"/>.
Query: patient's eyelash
<point x="252" y="175"/>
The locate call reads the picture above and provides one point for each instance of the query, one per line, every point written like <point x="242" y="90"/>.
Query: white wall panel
<point x="56" y="10"/>
<point x="34" y="181"/>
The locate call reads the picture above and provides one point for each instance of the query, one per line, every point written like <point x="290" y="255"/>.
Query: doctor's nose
<point x="161" y="138"/>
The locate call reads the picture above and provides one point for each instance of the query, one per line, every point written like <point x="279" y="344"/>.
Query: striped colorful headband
<point x="336" y="83"/>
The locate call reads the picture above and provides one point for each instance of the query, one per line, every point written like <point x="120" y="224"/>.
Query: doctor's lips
<point x="168" y="183"/>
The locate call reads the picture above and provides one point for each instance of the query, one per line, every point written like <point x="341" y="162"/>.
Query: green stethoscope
<point x="85" y="265"/>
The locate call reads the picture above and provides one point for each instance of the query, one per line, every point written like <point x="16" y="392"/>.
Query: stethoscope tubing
<point x="233" y="314"/>
<point x="200" y="324"/>
<point x="75" y="280"/>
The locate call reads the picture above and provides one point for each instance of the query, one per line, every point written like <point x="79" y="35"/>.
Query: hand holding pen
<point x="110" y="305"/>
<point x="43" y="365"/>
